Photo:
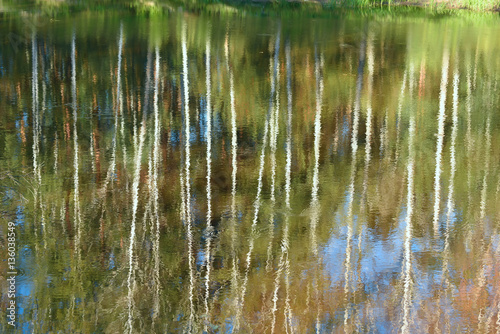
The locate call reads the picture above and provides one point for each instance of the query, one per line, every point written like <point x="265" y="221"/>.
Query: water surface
<point x="241" y="173"/>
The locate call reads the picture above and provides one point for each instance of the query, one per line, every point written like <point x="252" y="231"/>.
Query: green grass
<point x="273" y="5"/>
<point x="478" y="5"/>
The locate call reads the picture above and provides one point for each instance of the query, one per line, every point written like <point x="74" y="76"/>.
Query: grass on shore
<point x="315" y="5"/>
<point x="478" y="5"/>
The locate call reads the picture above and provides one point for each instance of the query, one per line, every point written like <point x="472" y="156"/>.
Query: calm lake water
<point x="219" y="173"/>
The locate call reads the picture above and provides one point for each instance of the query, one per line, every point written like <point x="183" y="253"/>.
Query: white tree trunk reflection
<point x="440" y="139"/>
<point x="209" y="227"/>
<point x="407" y="258"/>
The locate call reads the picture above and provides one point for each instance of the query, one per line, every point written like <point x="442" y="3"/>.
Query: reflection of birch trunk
<point x="112" y="165"/>
<point x="118" y="105"/>
<point x="76" y="181"/>
<point x="273" y="135"/>
<point x="285" y="243"/>
<point x="440" y="139"/>
<point x="350" y="195"/>
<point x="315" y="207"/>
<point x="317" y="140"/>
<point x="135" y="202"/>
<point x="119" y="96"/>
<point x="209" y="227"/>
<point x="398" y="117"/>
<point x="56" y="153"/>
<point x="368" y="135"/>
<point x="368" y="149"/>
<point x="76" y="188"/>
<point x="407" y="267"/>
<point x="485" y="313"/>
<point x="253" y="229"/>
<point x="36" y="130"/>
<point x="257" y="201"/>
<point x="283" y="263"/>
<point x="234" y="166"/>
<point x="274" y="107"/>
<point x="36" y="109"/>
<point x="469" y="145"/>
<point x="92" y="150"/>
<point x="154" y="181"/>
<point x="185" y="176"/>
<point x="450" y="203"/>
<point x="468" y="138"/>
<point x="122" y="131"/>
<point x="486" y="170"/>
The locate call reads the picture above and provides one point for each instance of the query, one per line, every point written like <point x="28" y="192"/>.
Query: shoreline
<point x="265" y="6"/>
<point x="341" y="4"/>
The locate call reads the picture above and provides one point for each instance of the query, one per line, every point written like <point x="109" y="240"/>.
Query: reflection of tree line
<point x="255" y="298"/>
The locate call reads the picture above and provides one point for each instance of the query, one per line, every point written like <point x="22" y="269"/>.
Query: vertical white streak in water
<point x="36" y="116"/>
<point x="368" y="145"/>
<point x="354" y="150"/>
<point x="257" y="200"/>
<point x="234" y="166"/>
<point x="36" y="132"/>
<point x="112" y="166"/>
<point x="469" y="145"/>
<point x="468" y="135"/>
<point x="285" y="244"/>
<point x="288" y="165"/>
<point x="486" y="170"/>
<point x="135" y="202"/>
<point x="134" y="120"/>
<point x="284" y="241"/>
<point x="63" y="215"/>
<point x="187" y="185"/>
<point x="317" y="140"/>
<point x="92" y="154"/>
<point x="122" y="133"/>
<point x="156" y="218"/>
<point x="119" y="94"/>
<point x="148" y="207"/>
<point x="254" y="228"/>
<point x="274" y="136"/>
<point x="209" y="227"/>
<point x="119" y="106"/>
<point x="75" y="144"/>
<point x="76" y="194"/>
<point x="118" y="90"/>
<point x="407" y="275"/>
<point x="111" y="169"/>
<point x="56" y="152"/>
<point x="440" y="138"/>
<point x="400" y="108"/>
<point x="450" y="204"/>
<point x="36" y="124"/>
<point x="315" y="186"/>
